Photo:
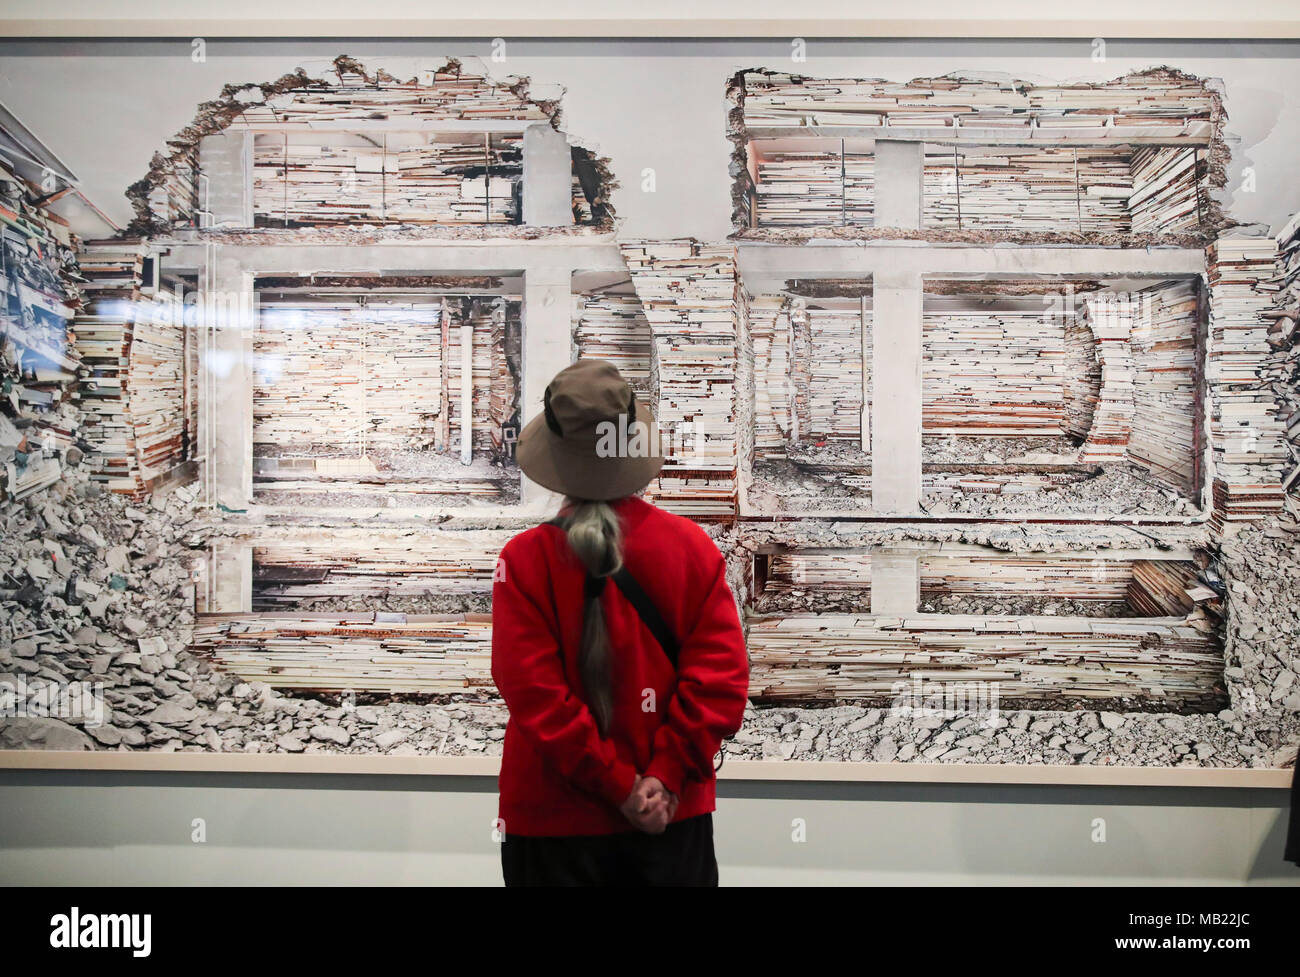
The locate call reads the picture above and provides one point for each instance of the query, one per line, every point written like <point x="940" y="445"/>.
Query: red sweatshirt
<point x="559" y="776"/>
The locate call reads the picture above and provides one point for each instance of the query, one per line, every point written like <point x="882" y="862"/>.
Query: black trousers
<point x="682" y="855"/>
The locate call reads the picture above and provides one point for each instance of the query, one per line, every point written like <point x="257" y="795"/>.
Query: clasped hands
<point x="651" y="806"/>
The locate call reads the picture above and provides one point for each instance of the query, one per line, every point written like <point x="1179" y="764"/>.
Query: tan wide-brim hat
<point x="594" y="439"/>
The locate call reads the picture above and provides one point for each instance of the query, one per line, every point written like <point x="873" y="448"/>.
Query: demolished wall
<point x="1153" y="173"/>
<point x="308" y="179"/>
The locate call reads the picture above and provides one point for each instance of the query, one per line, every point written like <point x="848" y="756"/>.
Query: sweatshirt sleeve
<point x="712" y="689"/>
<point x="528" y="669"/>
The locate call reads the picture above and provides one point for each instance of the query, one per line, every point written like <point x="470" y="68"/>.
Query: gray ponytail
<point x="596" y="538"/>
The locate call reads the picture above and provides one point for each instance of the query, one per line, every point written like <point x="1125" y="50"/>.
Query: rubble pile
<point x="1119" y="488"/>
<point x="1283" y="373"/>
<point x="98" y="590"/>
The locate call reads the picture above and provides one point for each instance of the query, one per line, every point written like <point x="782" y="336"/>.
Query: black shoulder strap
<point x="641" y="603"/>
<point x="639" y="599"/>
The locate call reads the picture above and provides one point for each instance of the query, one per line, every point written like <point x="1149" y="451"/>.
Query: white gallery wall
<point x="102" y="828"/>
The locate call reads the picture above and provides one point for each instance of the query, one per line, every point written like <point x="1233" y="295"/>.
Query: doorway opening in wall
<point x="811" y="344"/>
<point x="314" y="178"/>
<point x="1129" y="630"/>
<point x="1063" y="396"/>
<point x="396" y="391"/>
<point x="610" y="324"/>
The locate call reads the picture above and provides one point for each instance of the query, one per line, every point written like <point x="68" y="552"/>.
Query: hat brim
<point x="577" y="471"/>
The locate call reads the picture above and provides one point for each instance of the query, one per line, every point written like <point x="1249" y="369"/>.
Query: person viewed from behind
<point x="617" y="647"/>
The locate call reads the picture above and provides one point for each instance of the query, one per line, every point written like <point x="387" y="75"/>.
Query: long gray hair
<point x="597" y="539"/>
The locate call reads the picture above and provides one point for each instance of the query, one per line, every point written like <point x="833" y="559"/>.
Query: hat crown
<point x="585" y="394"/>
<point x="594" y="439"/>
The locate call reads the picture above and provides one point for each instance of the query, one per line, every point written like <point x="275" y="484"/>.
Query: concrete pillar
<point x="899" y="183"/>
<point x="896" y="393"/>
<point x="226" y="386"/>
<point x="226" y="424"/>
<point x="548" y="178"/>
<point x="547" y="349"/>
<point x="228" y="579"/>
<point x="864" y="418"/>
<point x="466" y="393"/>
<point x="226" y="192"/>
<point x="895" y="582"/>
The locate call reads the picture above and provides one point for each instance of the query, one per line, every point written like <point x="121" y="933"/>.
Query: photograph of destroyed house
<point x="980" y="370"/>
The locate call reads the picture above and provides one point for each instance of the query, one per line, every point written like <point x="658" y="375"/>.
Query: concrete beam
<point x="896" y="394"/>
<point x="466" y="393"/>
<point x="226" y="190"/>
<point x="763" y="265"/>
<point x="494" y="256"/>
<point x="228" y="579"/>
<point x="865" y="138"/>
<point x="899" y="176"/>
<point x="925" y="548"/>
<point x="548" y="178"/>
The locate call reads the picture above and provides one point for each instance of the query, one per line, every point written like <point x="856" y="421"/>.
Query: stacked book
<point x="1164" y="384"/>
<point x="173" y="199"/>
<point x="1166" y="189"/>
<point x="1110" y="316"/>
<point x="1167" y="588"/>
<point x="1042" y="660"/>
<point x="479" y="315"/>
<point x="156" y="386"/>
<point x="1283" y="370"/>
<point x="1081" y="579"/>
<point x="505" y="339"/>
<point x="296" y="571"/>
<point x="133" y="397"/>
<point x="993" y="373"/>
<point x="814" y="189"/>
<point x="379" y="99"/>
<point x="688" y="294"/>
<point x="393" y="653"/>
<point x="1012" y="188"/>
<point x="336" y="167"/>
<point x="1082" y="377"/>
<point x="38" y="294"/>
<point x="769" y="332"/>
<point x="835" y="382"/>
<point x="400" y="369"/>
<point x="324" y="179"/>
<point x="611" y="326"/>
<point x="337" y="375"/>
<point x="1246" y="433"/>
<point x="793" y="570"/>
<point x="40" y="290"/>
<point x="309" y="362"/>
<point x="1050" y="158"/>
